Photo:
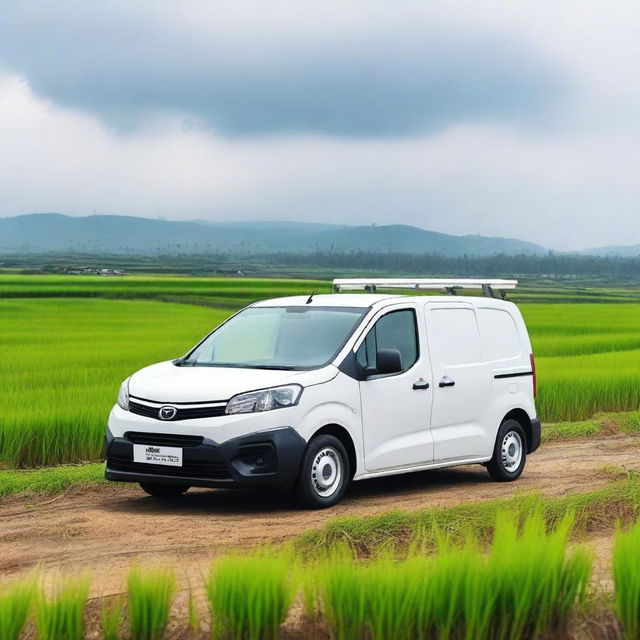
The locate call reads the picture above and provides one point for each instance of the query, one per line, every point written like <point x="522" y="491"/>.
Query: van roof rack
<point x="490" y="287"/>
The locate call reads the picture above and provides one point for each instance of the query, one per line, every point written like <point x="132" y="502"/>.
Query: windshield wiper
<point x="232" y="365"/>
<point x="277" y="367"/>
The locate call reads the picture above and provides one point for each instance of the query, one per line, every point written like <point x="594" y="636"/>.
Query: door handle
<point x="420" y="384"/>
<point x="447" y="382"/>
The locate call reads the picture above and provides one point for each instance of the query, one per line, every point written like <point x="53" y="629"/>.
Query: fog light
<point x="256" y="458"/>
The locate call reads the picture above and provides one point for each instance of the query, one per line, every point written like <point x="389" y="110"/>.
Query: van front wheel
<point x="324" y="473"/>
<point x="509" y="453"/>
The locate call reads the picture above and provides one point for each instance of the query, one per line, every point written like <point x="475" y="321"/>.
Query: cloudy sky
<point x="508" y="118"/>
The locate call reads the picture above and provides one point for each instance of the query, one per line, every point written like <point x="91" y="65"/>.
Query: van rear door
<point x="462" y="383"/>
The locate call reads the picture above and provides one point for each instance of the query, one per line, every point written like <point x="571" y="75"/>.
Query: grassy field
<point x="237" y="291"/>
<point x="62" y="364"/>
<point x="588" y="358"/>
<point x="223" y="292"/>
<point x="67" y="343"/>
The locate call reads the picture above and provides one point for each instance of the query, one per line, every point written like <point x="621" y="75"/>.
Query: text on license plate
<point x="152" y="454"/>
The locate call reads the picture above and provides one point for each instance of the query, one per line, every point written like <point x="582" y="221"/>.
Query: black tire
<point x="164" y="490"/>
<point x="324" y="473"/>
<point x="499" y="466"/>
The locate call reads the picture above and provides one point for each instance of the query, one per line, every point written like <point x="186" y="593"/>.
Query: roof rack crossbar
<point x="490" y="287"/>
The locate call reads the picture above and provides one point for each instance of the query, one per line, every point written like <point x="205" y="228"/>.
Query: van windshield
<point x="278" y="338"/>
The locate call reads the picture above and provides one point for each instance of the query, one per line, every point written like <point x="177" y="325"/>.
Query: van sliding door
<point x="461" y="380"/>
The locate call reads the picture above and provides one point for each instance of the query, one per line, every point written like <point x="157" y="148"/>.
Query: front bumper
<point x="263" y="459"/>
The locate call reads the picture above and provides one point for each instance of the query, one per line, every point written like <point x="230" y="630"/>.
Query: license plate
<point x="150" y="454"/>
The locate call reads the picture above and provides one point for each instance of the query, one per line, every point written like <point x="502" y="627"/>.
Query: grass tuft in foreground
<point x="537" y="583"/>
<point x="400" y="531"/>
<point x="194" y="617"/>
<point x="111" y="618"/>
<point x="150" y="593"/>
<point x="15" y="604"/>
<point x="525" y="587"/>
<point x="61" y="617"/>
<point x="343" y="594"/>
<point x="626" y="575"/>
<point x="250" y="595"/>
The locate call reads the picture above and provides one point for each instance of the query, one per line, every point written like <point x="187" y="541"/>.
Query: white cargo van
<point x="313" y="392"/>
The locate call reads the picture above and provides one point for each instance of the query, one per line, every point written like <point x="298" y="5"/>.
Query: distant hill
<point x="55" y="232"/>
<point x="622" y="251"/>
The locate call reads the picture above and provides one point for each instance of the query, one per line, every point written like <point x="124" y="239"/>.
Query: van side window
<point x="395" y="330"/>
<point x="454" y="339"/>
<point x="498" y="330"/>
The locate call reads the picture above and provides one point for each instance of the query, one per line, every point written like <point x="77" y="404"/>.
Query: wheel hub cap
<point x="511" y="451"/>
<point x="326" y="472"/>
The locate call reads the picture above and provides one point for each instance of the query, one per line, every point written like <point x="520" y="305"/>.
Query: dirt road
<point x="107" y="527"/>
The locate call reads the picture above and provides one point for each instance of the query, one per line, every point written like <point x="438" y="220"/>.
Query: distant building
<point x="83" y="271"/>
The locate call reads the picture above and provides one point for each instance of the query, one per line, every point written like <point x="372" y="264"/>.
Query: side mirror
<point x="388" y="361"/>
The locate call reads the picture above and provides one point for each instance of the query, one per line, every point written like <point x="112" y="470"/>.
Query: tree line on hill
<point x="551" y="264"/>
<point x="435" y="264"/>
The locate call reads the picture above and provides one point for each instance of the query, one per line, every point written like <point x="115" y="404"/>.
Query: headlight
<point x="123" y="395"/>
<point x="265" y="400"/>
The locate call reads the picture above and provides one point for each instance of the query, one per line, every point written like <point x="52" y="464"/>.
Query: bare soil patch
<point x="106" y="528"/>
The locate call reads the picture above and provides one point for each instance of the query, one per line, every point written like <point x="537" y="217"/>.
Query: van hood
<point x="166" y="383"/>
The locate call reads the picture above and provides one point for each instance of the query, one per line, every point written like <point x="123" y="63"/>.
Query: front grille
<point x="214" y="470"/>
<point x="182" y="414"/>
<point x="163" y="439"/>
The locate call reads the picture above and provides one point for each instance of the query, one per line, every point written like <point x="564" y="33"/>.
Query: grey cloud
<point x="414" y="80"/>
<point x="502" y="118"/>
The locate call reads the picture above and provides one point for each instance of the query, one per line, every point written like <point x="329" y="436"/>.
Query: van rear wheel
<point x="324" y="473"/>
<point x="509" y="453"/>
<point x="164" y="490"/>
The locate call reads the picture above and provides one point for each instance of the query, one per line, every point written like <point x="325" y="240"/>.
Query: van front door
<point x="461" y="380"/>
<point x="396" y="406"/>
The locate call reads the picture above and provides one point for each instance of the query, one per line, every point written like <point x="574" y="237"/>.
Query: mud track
<point x="105" y="528"/>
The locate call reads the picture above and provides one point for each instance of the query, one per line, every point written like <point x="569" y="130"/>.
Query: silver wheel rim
<point x="511" y="451"/>
<point x="326" y="472"/>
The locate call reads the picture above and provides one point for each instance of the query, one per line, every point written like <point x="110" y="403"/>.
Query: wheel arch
<point x="339" y="432"/>
<point x="522" y="417"/>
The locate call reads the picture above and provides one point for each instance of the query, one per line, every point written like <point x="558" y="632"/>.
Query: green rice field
<point x="222" y="292"/>
<point x="587" y="356"/>
<point x="234" y="291"/>
<point x="63" y="361"/>
<point x="67" y="343"/>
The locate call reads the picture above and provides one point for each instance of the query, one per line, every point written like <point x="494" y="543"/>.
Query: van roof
<point x="365" y="300"/>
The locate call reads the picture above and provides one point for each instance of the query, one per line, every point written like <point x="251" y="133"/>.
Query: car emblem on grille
<point x="167" y="413"/>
